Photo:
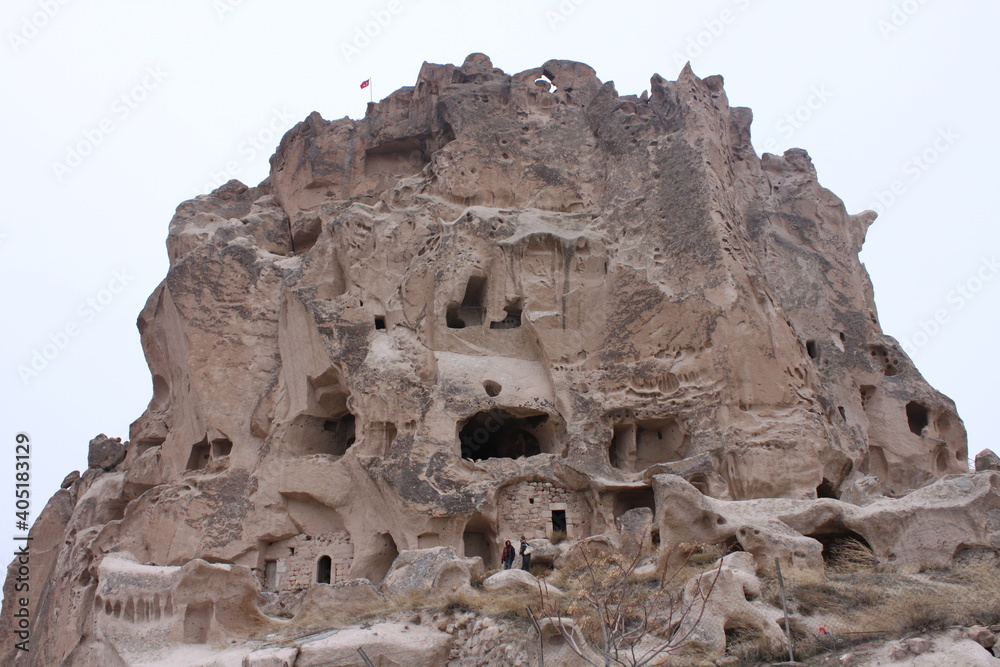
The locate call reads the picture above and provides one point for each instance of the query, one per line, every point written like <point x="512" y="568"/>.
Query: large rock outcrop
<point x="498" y="305"/>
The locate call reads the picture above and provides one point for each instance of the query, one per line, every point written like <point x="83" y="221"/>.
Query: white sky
<point x="886" y="80"/>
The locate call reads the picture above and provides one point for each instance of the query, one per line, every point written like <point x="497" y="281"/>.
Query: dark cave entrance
<point x="498" y="433"/>
<point x="323" y="570"/>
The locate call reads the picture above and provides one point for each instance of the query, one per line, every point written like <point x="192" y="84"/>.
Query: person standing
<point x="507" y="555"/>
<point x="525" y="555"/>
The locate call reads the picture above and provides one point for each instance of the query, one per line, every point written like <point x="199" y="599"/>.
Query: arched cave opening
<point x="479" y="539"/>
<point x="917" y="417"/>
<point x="385" y="555"/>
<point x="844" y="547"/>
<point x="324" y="567"/>
<point x="500" y="433"/>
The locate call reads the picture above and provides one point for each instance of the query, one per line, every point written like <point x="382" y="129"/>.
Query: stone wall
<point x="526" y="508"/>
<point x="296" y="560"/>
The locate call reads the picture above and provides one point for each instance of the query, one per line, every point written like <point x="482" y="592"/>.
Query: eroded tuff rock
<point x="490" y="309"/>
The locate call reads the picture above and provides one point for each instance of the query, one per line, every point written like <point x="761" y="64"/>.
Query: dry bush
<point x="963" y="595"/>
<point x="852" y="555"/>
<point x="749" y="648"/>
<point x="627" y="619"/>
<point x="871" y="602"/>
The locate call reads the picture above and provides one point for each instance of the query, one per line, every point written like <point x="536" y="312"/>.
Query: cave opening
<point x="512" y="317"/>
<point x="469" y="313"/>
<point x="499" y="433"/>
<point x="324" y="568"/>
<point x="630" y="499"/>
<point x="844" y="547"/>
<point x="917" y="417"/>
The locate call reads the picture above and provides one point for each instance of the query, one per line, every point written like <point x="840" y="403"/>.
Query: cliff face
<point x="497" y="305"/>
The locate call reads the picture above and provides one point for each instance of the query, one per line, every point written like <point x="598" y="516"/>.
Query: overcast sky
<point x="116" y="111"/>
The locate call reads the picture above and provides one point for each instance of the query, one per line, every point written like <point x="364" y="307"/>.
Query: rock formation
<point x="498" y="305"/>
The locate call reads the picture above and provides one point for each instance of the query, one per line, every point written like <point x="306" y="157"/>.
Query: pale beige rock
<point x="386" y="644"/>
<point x="492" y="309"/>
<point x="720" y="599"/>
<point x="944" y="522"/>
<point x="635" y="528"/>
<point x="323" y="601"/>
<point x="272" y="657"/>
<point x="437" y="570"/>
<point x="519" y="581"/>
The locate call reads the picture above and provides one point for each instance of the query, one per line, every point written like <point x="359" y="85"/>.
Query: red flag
<point x="365" y="84"/>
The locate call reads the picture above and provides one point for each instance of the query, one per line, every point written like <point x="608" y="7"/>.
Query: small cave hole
<point x="813" y="349"/>
<point x="471" y="311"/>
<point x="492" y="388"/>
<point x="512" y="317"/>
<point x="222" y="447"/>
<point x="201" y="454"/>
<point x="379" y="324"/>
<point x="343" y="432"/>
<point x="867" y="392"/>
<point x="917" y="417"/>
<point x="826" y="490"/>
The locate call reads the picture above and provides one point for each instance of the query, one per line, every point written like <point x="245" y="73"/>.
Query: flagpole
<point x="371" y="91"/>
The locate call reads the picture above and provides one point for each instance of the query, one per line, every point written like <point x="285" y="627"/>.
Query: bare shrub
<point x="626" y="620"/>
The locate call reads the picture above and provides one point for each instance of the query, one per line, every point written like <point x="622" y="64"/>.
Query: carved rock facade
<point x="497" y="305"/>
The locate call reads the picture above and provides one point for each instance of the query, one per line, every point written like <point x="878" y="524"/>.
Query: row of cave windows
<point x="499" y="434"/>
<point x="885" y="358"/>
<point x="471" y="312"/>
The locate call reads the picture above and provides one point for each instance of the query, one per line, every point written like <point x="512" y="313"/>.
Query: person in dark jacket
<point x="525" y="555"/>
<point x="507" y="555"/>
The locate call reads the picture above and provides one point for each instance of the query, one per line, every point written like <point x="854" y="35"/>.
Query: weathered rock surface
<point x="439" y="570"/>
<point x="930" y="527"/>
<point x="495" y="308"/>
<point x="722" y="597"/>
<point x="388" y="644"/>
<point x="105" y="452"/>
<point x="323" y="601"/>
<point x="987" y="460"/>
<point x="519" y="581"/>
